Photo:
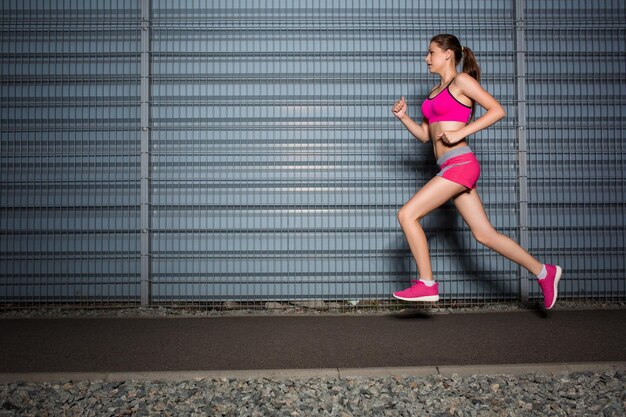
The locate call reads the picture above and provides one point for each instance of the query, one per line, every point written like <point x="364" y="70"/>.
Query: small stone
<point x="571" y="394"/>
<point x="159" y="406"/>
<point x="8" y="405"/>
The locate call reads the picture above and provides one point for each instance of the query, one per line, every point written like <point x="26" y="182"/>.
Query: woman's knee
<point x="486" y="236"/>
<point x="402" y="215"/>
<point x="406" y="215"/>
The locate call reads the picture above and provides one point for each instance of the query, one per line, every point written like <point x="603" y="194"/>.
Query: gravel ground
<point x="575" y="394"/>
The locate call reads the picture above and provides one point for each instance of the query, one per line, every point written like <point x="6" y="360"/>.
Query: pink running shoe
<point x="549" y="285"/>
<point x="419" y="292"/>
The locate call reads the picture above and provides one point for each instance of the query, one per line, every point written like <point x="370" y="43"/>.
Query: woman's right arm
<point x="419" y="131"/>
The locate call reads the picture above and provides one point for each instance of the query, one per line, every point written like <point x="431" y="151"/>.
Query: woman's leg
<point x="432" y="195"/>
<point x="471" y="208"/>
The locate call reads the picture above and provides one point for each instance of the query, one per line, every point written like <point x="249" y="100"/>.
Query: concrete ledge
<point x="596" y="367"/>
<point x="6" y="378"/>
<point x="387" y="372"/>
<point x="535" y="368"/>
<point x="231" y="374"/>
<point x="516" y="370"/>
<point x="464" y="371"/>
<point x="168" y="375"/>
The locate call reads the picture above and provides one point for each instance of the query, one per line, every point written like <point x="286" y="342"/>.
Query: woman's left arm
<point x="472" y="89"/>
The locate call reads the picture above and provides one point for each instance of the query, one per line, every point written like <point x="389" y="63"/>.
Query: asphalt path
<point x="402" y="339"/>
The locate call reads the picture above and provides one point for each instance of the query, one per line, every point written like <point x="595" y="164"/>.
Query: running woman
<point x="447" y="121"/>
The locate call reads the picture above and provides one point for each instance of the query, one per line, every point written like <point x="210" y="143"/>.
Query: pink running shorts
<point x="461" y="166"/>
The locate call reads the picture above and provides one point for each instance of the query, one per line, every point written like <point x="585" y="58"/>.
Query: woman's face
<point x="435" y="58"/>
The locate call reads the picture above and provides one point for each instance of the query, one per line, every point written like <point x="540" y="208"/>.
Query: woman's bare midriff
<point x="439" y="146"/>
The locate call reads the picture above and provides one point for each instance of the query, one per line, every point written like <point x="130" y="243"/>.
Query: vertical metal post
<point x="520" y="48"/>
<point x="146" y="287"/>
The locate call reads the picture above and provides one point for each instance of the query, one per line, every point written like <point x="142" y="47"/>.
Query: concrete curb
<point x="463" y="371"/>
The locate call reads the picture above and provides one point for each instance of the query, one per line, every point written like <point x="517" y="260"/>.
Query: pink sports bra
<point x="445" y="108"/>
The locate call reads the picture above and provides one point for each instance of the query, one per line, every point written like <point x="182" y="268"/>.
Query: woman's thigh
<point x="471" y="209"/>
<point x="432" y="195"/>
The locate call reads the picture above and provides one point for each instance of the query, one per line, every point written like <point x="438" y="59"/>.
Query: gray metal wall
<point x="253" y="155"/>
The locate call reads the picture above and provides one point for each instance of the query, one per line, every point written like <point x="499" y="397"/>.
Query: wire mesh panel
<point x="270" y="167"/>
<point x="577" y="124"/>
<point x="69" y="153"/>
<point x="278" y="168"/>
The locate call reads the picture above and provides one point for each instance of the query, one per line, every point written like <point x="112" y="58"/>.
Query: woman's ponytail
<point x="470" y="65"/>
